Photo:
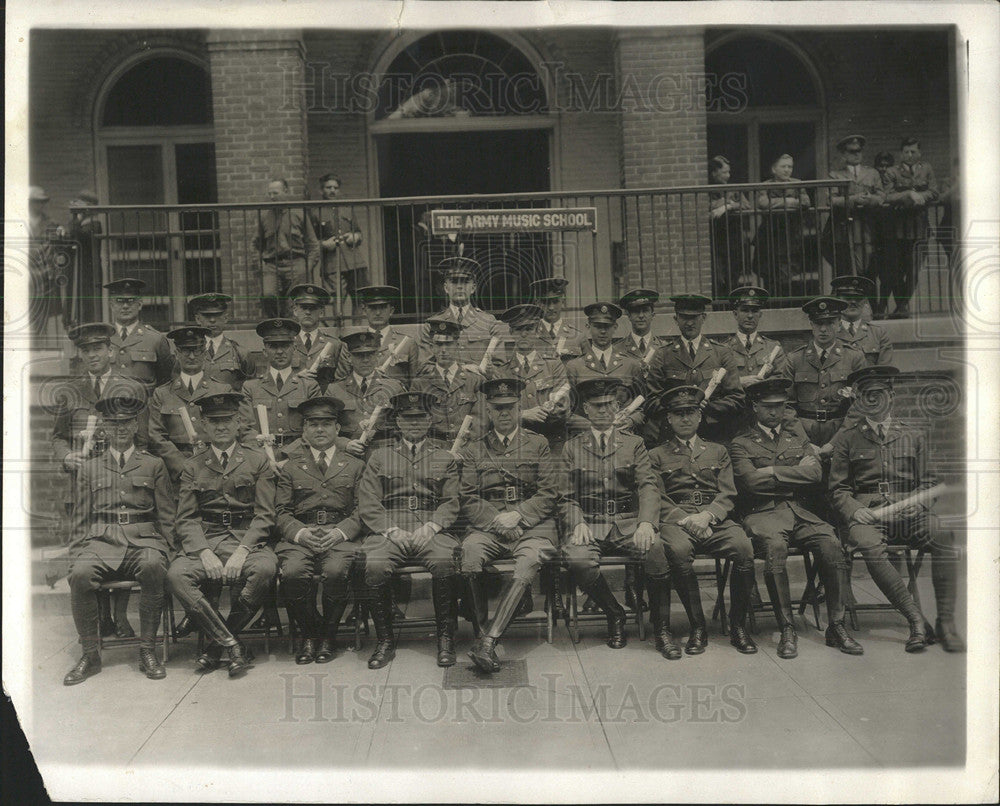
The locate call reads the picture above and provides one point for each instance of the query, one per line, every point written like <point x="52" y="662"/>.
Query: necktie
<point x="224" y="459"/>
<point x="851" y="327"/>
<point x="690" y="447"/>
<point x="211" y="349"/>
<point x="881" y="432"/>
<point x="278" y="381"/>
<point x="413" y="452"/>
<point x="97" y="387"/>
<point x="121" y="460"/>
<point x="822" y="357"/>
<point x="604" y="366"/>
<point x="461" y="315"/>
<point x="321" y="463"/>
<point x="124" y="333"/>
<point x="748" y="344"/>
<point x="604" y="443"/>
<point x="524" y="364"/>
<point x="505" y="442"/>
<point x="691" y="350"/>
<point x="642" y="346"/>
<point x="364" y="387"/>
<point x="190" y="387"/>
<point x="309" y="342"/>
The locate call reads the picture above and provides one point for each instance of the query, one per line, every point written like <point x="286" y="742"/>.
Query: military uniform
<point x="359" y="406"/>
<point x="561" y="340"/>
<point x="909" y="221"/>
<point x="630" y="345"/>
<point x="144" y="354"/>
<point x="455" y="399"/>
<point x="846" y="237"/>
<point x="402" y="367"/>
<point x="477" y="328"/>
<point x="869" y="339"/>
<point x="816" y="387"/>
<point x="225" y="361"/>
<point x="305" y="355"/>
<point x="751" y="361"/>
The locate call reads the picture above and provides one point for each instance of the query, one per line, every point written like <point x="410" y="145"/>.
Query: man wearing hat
<point x="692" y="358"/>
<point x="454" y="386"/>
<point x="312" y="341"/>
<point x="818" y="371"/>
<point x="777" y="472"/>
<point x="362" y="391"/>
<point x="846" y="237"/>
<point x="751" y="350"/>
<point x="611" y="505"/>
<point x="278" y="389"/>
<point x="510" y="484"/>
<point x="870" y="339"/>
<point x="560" y="339"/>
<point x="378" y="304"/>
<point x="225" y="516"/>
<point x="476" y="327"/>
<point x="698" y="494"/>
<point x="122" y="521"/>
<point x="83" y="230"/>
<point x="225" y="361"/>
<point x="639" y="305"/>
<point x="315" y="507"/>
<point x="140" y="351"/>
<point x="879" y="461"/>
<point x="408" y="499"/>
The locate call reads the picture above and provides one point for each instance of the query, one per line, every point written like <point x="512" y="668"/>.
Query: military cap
<point x="549" y="288"/>
<point x="35" y="193"/>
<point x="820" y="309"/>
<point x="690" y="303"/>
<point x="125" y="286"/>
<point x="321" y="406"/>
<point x="274" y="331"/>
<point x="877" y="374"/>
<point x="521" y="316"/>
<point x="443" y="329"/>
<point x="413" y="402"/>
<point x="458" y="268"/>
<point x="91" y="333"/>
<point x="749" y="295"/>
<point x="682" y="397"/>
<point x="606" y="312"/>
<point x="378" y="295"/>
<point x="120" y="407"/>
<point x="638" y="298"/>
<point x="769" y="390"/>
<point x="209" y="303"/>
<point x="219" y="404"/>
<point x="849" y="285"/>
<point x="502" y="390"/>
<point x="599" y="390"/>
<point x="844" y="142"/>
<point x="314" y="294"/>
<point x="362" y="341"/>
<point x="189" y="336"/>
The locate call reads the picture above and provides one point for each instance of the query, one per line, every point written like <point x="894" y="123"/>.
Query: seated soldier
<point x="510" y="484"/>
<point x="698" y="495"/>
<point x="122" y="520"/>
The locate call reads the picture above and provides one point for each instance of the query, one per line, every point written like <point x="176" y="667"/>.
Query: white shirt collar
<point x="597" y="434"/>
<point x="819" y="350"/>
<point x="554" y="327"/>
<point x="129" y="329"/>
<point x="216" y="341"/>
<point x="460" y="310"/>
<point x="411" y="445"/>
<point x="313" y="334"/>
<point x="767" y="431"/>
<point x="885" y="423"/>
<point x="103" y="378"/>
<point x="744" y="336"/>
<point x="229" y="451"/>
<point x="118" y="456"/>
<point x="358" y="378"/>
<point x="284" y="373"/>
<point x="691" y="441"/>
<point x="648" y="337"/>
<point x="605" y="353"/>
<point x="450" y="372"/>
<point x="529" y="358"/>
<point x="696" y="342"/>
<point x="194" y="380"/>
<point x="845" y="325"/>
<point x="327" y="454"/>
<point x="510" y="436"/>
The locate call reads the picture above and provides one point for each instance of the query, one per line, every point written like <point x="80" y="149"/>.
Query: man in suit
<point x="639" y="305"/>
<point x="225" y="361"/>
<point x="611" y="505"/>
<point x="510" y="483"/>
<point x="225" y="515"/>
<point x="122" y="520"/>
<point x="696" y="482"/>
<point x="560" y="339"/>
<point x="776" y="473"/>
<point x="140" y="351"/>
<point x="878" y="462"/>
<point x="455" y="387"/>
<point x="315" y="346"/>
<point x="316" y="511"/>
<point x="378" y="304"/>
<point x="870" y="339"/>
<point x="408" y="499"/>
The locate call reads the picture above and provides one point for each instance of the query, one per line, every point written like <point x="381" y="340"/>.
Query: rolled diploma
<point x="265" y="428"/>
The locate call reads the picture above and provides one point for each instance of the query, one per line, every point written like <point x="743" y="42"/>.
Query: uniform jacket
<point x="77" y="403"/>
<point x="357" y="408"/>
<point x="478" y="327"/>
<point x="572" y="339"/>
<point x="403" y="492"/>
<point x="338" y="357"/>
<point x="860" y="463"/>
<point x="403" y="367"/>
<point x="524" y="477"/>
<point x="628" y="346"/>
<point x="869" y="339"/>
<point x="867" y="181"/>
<point x="706" y="471"/>
<point x="455" y="400"/>
<point x="144" y="355"/>
<point x="819" y="387"/>
<point x="618" y="483"/>
<point x="285" y="233"/>
<point x="245" y="489"/>
<point x="750" y="363"/>
<point x="303" y="490"/>
<point x="911" y="220"/>
<point x="281" y="417"/>
<point x="672" y="366"/>
<point x="622" y="366"/>
<point x="230" y="364"/>
<point x="542" y="378"/>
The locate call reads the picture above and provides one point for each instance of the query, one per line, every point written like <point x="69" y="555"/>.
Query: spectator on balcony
<point x="341" y="261"/>
<point x="289" y="251"/>
<point x="914" y="187"/>
<point x="43" y="297"/>
<point x="781" y="253"/>
<point x="730" y="246"/>
<point x="882" y="257"/>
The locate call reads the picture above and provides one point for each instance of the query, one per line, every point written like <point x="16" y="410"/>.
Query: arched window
<point x="164" y="91"/>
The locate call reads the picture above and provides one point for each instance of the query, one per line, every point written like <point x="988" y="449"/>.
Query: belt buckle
<point x="883" y="488"/>
<point x="227" y="518"/>
<point x="411" y="503"/>
<point x="510" y="495"/>
<point x="696" y="498"/>
<point x="611" y="507"/>
<point x="124" y="518"/>
<point x="321" y="518"/>
<point x="820" y="416"/>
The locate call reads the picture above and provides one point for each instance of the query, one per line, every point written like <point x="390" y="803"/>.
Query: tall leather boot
<point x="475" y="603"/>
<point x="385" y="644"/>
<point x="686" y="585"/>
<point x="659" y="614"/>
<point x="894" y="588"/>
<point x="443" y="593"/>
<point x="188" y="624"/>
<point x="832" y="574"/>
<point x="483" y="652"/>
<point x="149" y="621"/>
<point x="740" y="586"/>
<point x="123" y="629"/>
<point x="305" y="617"/>
<point x="944" y="575"/>
<point x="781" y="603"/>
<point x="106" y="624"/>
<point x="216" y="631"/>
<point x="333" y="612"/>
<point x="613" y="612"/>
<point x="556" y="581"/>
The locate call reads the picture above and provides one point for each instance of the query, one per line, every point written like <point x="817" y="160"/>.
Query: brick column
<point x="664" y="144"/>
<point x="258" y="100"/>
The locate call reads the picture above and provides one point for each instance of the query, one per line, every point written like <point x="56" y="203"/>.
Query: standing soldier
<point x="317" y="521"/>
<point x="407" y="500"/>
<point x="754" y="354"/>
<point x="870" y="339"/>
<point x="225" y="514"/>
<point x="315" y="346"/>
<point x="476" y="328"/>
<point x="698" y="495"/>
<point x="879" y="462"/>
<point x="640" y="308"/>
<point x="510" y="484"/>
<point x="559" y="338"/>
<point x="454" y="387"/>
<point x="611" y="506"/>
<point x="141" y="351"/>
<point x="378" y="304"/>
<point x="774" y="465"/>
<point x="225" y="361"/>
<point x="123" y="516"/>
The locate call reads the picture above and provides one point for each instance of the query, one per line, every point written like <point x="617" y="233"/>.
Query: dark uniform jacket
<point x="627" y="345"/>
<point x="285" y="423"/>
<point x="403" y="492"/>
<point x="564" y="344"/>
<point x="404" y="366"/>
<point x="144" y="355"/>
<point x="478" y="327"/>
<point x="337" y="357"/>
<point x="818" y="388"/>
<point x="911" y="220"/>
<point x="869" y="339"/>
<point x="761" y="347"/>
<point x="523" y="476"/>
<point x="357" y="408"/>
<point x="230" y="365"/>
<point x="215" y="504"/>
<point x="701" y="480"/>
<point x="455" y="400"/>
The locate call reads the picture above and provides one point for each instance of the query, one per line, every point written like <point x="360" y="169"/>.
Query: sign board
<point x="488" y="222"/>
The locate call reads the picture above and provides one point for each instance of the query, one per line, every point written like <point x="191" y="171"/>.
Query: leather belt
<point x="231" y="520"/>
<point x="696" y="498"/>
<point x="621" y="507"/>
<point x="413" y="503"/>
<point x="321" y="517"/>
<point x="884" y="488"/>
<point x="124" y="518"/>
<point x="510" y="494"/>
<point x="822" y="415"/>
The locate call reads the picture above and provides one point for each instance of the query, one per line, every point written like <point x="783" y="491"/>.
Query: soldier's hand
<point x="264" y="440"/>
<point x="698" y="523"/>
<point x="308" y="539"/>
<point x="623" y="420"/>
<point x="507" y="520"/>
<point x="582" y="535"/>
<point x="234" y="565"/>
<point x="401" y="538"/>
<point x="911" y="512"/>
<point x="810" y="460"/>
<point x="515" y="533"/>
<point x="356" y="448"/>
<point x="643" y="536"/>
<point x="864" y="516"/>
<point x="74" y="460"/>
<point x="534" y="415"/>
<point x="421" y="537"/>
<point x="212" y="564"/>
<point x="308" y="373"/>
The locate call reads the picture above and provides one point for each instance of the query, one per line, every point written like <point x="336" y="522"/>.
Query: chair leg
<point x="574" y="629"/>
<point x="721" y="576"/>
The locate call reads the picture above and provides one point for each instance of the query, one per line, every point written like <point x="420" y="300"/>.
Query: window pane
<point x="160" y="92"/>
<point x="770" y="74"/>
<point x="796" y="139"/>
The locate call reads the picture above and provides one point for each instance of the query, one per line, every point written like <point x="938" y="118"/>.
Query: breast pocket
<point x="864" y="460"/>
<point x="137" y="354"/>
<point x="143" y="490"/>
<point x="241" y="487"/>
